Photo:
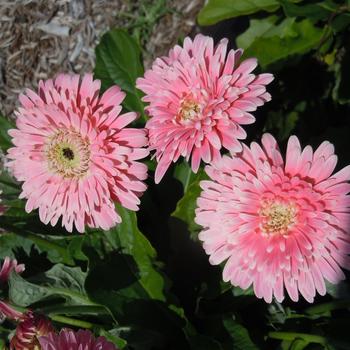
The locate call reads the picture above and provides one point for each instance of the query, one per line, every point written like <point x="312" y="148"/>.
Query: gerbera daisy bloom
<point x="280" y="225"/>
<point x="7" y="266"/>
<point x="29" y="330"/>
<point x="75" y="155"/>
<point x="7" y="311"/>
<point x="69" y="340"/>
<point x="199" y="96"/>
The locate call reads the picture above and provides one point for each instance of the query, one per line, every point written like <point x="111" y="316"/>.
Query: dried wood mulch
<point x="39" y="38"/>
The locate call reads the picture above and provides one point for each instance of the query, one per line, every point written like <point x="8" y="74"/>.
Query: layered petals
<point x="199" y="96"/>
<point x="70" y="340"/>
<point x="74" y="154"/>
<point x="7" y="266"/>
<point x="279" y="226"/>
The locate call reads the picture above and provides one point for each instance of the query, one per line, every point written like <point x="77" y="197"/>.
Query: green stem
<point x="64" y="319"/>
<point x="75" y="309"/>
<point x="310" y="338"/>
<point x="72" y="321"/>
<point x="326" y="307"/>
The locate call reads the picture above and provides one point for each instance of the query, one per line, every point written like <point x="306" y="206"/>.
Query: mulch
<point x="39" y="38"/>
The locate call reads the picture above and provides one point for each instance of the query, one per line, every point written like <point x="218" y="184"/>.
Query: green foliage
<point x="218" y="10"/>
<point x="5" y="139"/>
<point x="137" y="297"/>
<point x="239" y="335"/>
<point x="118" y="61"/>
<point x="341" y="91"/>
<point x="143" y="17"/>
<point x="185" y="209"/>
<point x="147" y="283"/>
<point x="60" y="281"/>
<point x="272" y="42"/>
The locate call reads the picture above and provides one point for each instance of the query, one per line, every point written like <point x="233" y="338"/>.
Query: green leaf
<point x="5" y="139"/>
<point x="341" y="91"/>
<point x="217" y="10"/>
<point x="202" y="342"/>
<point x="118" y="61"/>
<point x="128" y="239"/>
<point x="12" y="242"/>
<point x="313" y="11"/>
<point x="271" y="42"/>
<point x="9" y="242"/>
<point x="298" y="344"/>
<point x="239" y="335"/>
<point x="185" y="209"/>
<point x="340" y="22"/>
<point x="283" y="123"/>
<point x="9" y="187"/>
<point x="127" y="281"/>
<point x="113" y="336"/>
<point x="184" y="174"/>
<point x="60" y="281"/>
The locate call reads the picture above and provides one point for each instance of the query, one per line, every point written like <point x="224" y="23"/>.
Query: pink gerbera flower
<point x="69" y="340"/>
<point x="280" y="225"/>
<point x="199" y="96"/>
<point x="75" y="155"/>
<point x="29" y="331"/>
<point x="7" y="266"/>
<point x="7" y="311"/>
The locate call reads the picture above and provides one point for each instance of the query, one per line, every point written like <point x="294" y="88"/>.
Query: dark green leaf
<point x="185" y="209"/>
<point x="184" y="174"/>
<point x="60" y="281"/>
<point x="137" y="294"/>
<point x="340" y="22"/>
<point x="9" y="187"/>
<point x="312" y="11"/>
<point x="202" y="342"/>
<point x="271" y="42"/>
<point x="282" y="123"/>
<point x="127" y="238"/>
<point x="5" y="139"/>
<point x="239" y="335"/>
<point x="9" y="242"/>
<point x="118" y="61"/>
<point x="298" y="344"/>
<point x="341" y="91"/>
<point x="218" y="10"/>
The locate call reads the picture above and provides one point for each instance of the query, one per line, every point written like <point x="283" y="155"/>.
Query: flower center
<point x="68" y="154"/>
<point x="188" y="110"/>
<point x="277" y="217"/>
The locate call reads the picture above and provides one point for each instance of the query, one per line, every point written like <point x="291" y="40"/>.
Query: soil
<point x="39" y="38"/>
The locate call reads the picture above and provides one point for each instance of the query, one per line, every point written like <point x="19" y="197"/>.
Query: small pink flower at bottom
<point x="75" y="155"/>
<point x="29" y="330"/>
<point x="199" y="97"/>
<point x="280" y="225"/>
<point x="7" y="266"/>
<point x="70" y="340"/>
<point x="7" y="311"/>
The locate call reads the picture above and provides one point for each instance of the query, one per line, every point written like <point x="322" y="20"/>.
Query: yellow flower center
<point x="277" y="217"/>
<point x="189" y="110"/>
<point x="68" y="154"/>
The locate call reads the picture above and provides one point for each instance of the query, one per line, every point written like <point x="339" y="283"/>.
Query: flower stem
<point x="310" y="338"/>
<point x="72" y="321"/>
